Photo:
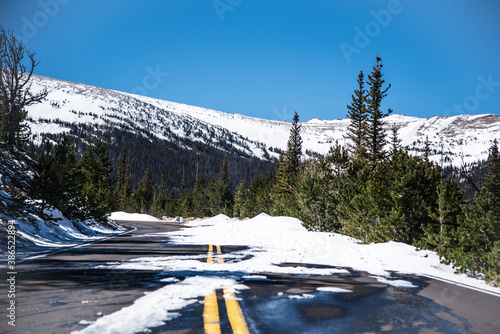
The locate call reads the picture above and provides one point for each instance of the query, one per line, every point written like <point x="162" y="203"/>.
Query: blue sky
<point x="268" y="58"/>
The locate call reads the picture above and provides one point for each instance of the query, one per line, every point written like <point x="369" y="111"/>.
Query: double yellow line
<point x="211" y="312"/>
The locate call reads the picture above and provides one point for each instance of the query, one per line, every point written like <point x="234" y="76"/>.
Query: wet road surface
<point x="64" y="292"/>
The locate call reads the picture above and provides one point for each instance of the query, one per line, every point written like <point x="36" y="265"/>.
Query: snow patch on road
<point x="157" y="307"/>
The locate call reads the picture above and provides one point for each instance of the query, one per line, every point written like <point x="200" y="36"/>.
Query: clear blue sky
<point x="268" y="58"/>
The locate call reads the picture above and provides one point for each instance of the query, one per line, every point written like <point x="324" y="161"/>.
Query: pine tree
<point x="259" y="199"/>
<point x="224" y="194"/>
<point x="375" y="130"/>
<point x="65" y="170"/>
<point x="159" y="204"/>
<point x="294" y="147"/>
<point x="357" y="129"/>
<point x="395" y="141"/>
<point x="492" y="272"/>
<point x="124" y="182"/>
<point x="57" y="181"/>
<point x="445" y="218"/>
<point x="492" y="179"/>
<point x="239" y="201"/>
<point x="289" y="166"/>
<point x="475" y="235"/>
<point x="201" y="199"/>
<point x="144" y="194"/>
<point x="96" y="183"/>
<point x="45" y="185"/>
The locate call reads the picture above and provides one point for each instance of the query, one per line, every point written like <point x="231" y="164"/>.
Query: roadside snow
<point x="123" y="216"/>
<point x="276" y="245"/>
<point x="285" y="240"/>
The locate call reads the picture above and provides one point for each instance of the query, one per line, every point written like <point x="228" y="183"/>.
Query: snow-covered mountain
<point x="454" y="140"/>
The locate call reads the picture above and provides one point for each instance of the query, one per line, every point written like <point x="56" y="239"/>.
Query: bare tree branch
<point x="16" y="69"/>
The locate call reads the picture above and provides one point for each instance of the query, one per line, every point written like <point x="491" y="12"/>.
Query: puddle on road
<point x="277" y="308"/>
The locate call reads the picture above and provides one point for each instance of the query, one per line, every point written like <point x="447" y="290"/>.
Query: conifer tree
<point x="289" y="166"/>
<point x="44" y="186"/>
<point x="159" y="204"/>
<point x="124" y="182"/>
<point x="144" y="194"/>
<point x="294" y="147"/>
<point x="201" y="198"/>
<point x="357" y="113"/>
<point x="395" y="141"/>
<point x="65" y="170"/>
<point x="224" y="194"/>
<point x="56" y="181"/>
<point x="492" y="179"/>
<point x="171" y="206"/>
<point x="96" y="180"/>
<point x="239" y="201"/>
<point x="260" y="195"/>
<point x="439" y="233"/>
<point x="375" y="131"/>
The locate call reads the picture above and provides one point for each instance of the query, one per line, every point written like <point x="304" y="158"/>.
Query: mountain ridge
<point x="454" y="140"/>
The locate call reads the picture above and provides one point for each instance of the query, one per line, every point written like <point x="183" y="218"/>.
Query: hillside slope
<point x="180" y="132"/>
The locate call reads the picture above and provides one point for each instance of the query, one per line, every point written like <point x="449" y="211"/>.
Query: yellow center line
<point x="234" y="313"/>
<point x="236" y="318"/>
<point x="211" y="318"/>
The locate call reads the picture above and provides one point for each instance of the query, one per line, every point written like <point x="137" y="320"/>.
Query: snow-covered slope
<point x="20" y="223"/>
<point x="455" y="139"/>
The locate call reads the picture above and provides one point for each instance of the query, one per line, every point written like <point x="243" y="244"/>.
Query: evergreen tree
<point x="171" y="205"/>
<point x="476" y="235"/>
<point x="357" y="129"/>
<point x="123" y="192"/>
<point x="289" y="166"/>
<point x="492" y="179"/>
<point x="97" y="182"/>
<point x="44" y="186"/>
<point x="439" y="234"/>
<point x="319" y="186"/>
<point x="240" y="198"/>
<point x="67" y="179"/>
<point x="492" y="272"/>
<point x="427" y="148"/>
<point x="395" y="141"/>
<point x="144" y="194"/>
<point x="294" y="147"/>
<point x="57" y="180"/>
<point x="259" y="197"/>
<point x="159" y="204"/>
<point x="224" y="194"/>
<point x="201" y="199"/>
<point x="375" y="130"/>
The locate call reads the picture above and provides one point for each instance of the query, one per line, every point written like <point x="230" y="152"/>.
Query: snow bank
<point x="285" y="240"/>
<point x="123" y="216"/>
<point x="36" y="236"/>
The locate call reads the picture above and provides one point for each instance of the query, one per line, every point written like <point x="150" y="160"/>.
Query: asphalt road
<point x="56" y="292"/>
